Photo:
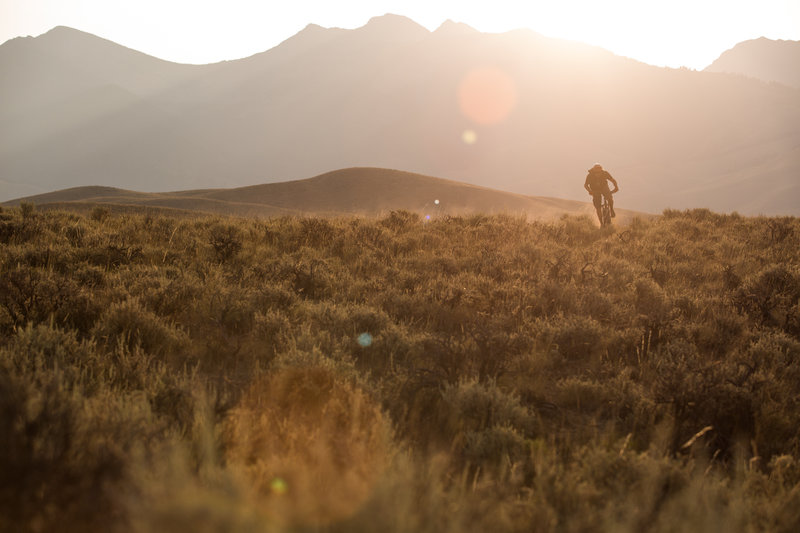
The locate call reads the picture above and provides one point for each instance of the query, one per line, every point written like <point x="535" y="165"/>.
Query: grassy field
<point x="463" y="373"/>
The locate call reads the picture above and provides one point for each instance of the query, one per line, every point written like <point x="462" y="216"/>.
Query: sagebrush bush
<point x="312" y="446"/>
<point x="463" y="373"/>
<point x="128" y="324"/>
<point x="490" y="429"/>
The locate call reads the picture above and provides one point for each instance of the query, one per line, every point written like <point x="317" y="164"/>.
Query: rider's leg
<point x="597" y="201"/>
<point x="610" y="200"/>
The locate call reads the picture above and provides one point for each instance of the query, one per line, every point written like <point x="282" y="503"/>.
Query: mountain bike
<point x="605" y="213"/>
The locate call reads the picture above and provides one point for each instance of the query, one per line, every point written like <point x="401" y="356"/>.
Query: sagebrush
<point x="398" y="374"/>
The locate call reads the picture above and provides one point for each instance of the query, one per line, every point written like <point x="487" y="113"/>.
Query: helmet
<point x="597" y="166"/>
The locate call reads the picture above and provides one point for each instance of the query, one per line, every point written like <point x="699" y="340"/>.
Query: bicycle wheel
<point x="606" y="214"/>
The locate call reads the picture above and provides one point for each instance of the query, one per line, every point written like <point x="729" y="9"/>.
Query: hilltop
<point x="359" y="191"/>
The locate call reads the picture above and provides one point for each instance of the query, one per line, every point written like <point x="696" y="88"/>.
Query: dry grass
<point x="310" y="447"/>
<point x="476" y="373"/>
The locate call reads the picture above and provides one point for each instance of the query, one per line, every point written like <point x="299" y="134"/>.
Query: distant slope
<point x="64" y="63"/>
<point x="366" y="191"/>
<point x="762" y="58"/>
<point x="390" y="95"/>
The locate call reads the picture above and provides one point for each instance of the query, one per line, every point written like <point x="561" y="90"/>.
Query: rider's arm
<point x="616" y="187"/>
<point x="586" y="185"/>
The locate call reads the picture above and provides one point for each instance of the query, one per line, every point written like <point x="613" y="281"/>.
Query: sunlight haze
<point x="400" y="266"/>
<point x="690" y="33"/>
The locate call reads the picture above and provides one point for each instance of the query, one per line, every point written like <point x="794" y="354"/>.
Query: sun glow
<point x="201" y="31"/>
<point x="486" y="96"/>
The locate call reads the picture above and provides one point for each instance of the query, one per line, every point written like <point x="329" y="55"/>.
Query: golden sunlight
<point x="311" y="446"/>
<point x="487" y="96"/>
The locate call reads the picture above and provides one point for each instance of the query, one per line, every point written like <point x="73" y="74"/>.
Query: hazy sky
<point x="671" y="33"/>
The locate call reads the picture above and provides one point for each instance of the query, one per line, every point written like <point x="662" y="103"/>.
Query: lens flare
<point x="308" y="446"/>
<point x="469" y="137"/>
<point x="436" y="202"/>
<point x="278" y="486"/>
<point x="364" y="340"/>
<point x="487" y="95"/>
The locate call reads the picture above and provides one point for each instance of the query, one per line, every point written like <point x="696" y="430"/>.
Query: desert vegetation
<point x="166" y="373"/>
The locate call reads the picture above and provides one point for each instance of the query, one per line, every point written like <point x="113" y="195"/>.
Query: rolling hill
<point x="78" y="110"/>
<point x="360" y="191"/>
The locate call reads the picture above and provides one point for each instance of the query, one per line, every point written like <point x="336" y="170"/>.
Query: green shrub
<point x="18" y="230"/>
<point x="488" y="426"/>
<point x="771" y="297"/>
<point x="100" y="213"/>
<point x="225" y="240"/>
<point x="27" y="209"/>
<point x="44" y="352"/>
<point x="64" y="459"/>
<point x="576" y="338"/>
<point x="37" y="295"/>
<point x="401" y="221"/>
<point x="129" y="325"/>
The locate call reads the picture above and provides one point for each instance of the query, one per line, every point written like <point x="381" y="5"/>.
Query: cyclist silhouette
<point x="597" y="184"/>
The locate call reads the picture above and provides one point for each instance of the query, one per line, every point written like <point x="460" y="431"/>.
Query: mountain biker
<point x="597" y="185"/>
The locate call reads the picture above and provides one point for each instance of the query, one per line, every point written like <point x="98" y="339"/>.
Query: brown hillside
<point x="366" y="191"/>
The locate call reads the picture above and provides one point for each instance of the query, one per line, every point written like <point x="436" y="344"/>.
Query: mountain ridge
<point x="764" y="59"/>
<point x="323" y="99"/>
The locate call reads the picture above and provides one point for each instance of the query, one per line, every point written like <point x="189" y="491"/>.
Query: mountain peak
<point x="64" y="33"/>
<point x="449" y="27"/>
<point x="313" y="27"/>
<point x="395" y="23"/>
<point x="762" y="58"/>
<point x="63" y="30"/>
<point x="312" y="31"/>
<point x="68" y="44"/>
<point x="72" y="42"/>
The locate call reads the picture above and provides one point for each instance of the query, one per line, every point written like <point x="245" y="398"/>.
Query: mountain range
<point x="763" y="59"/>
<point x="516" y="111"/>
